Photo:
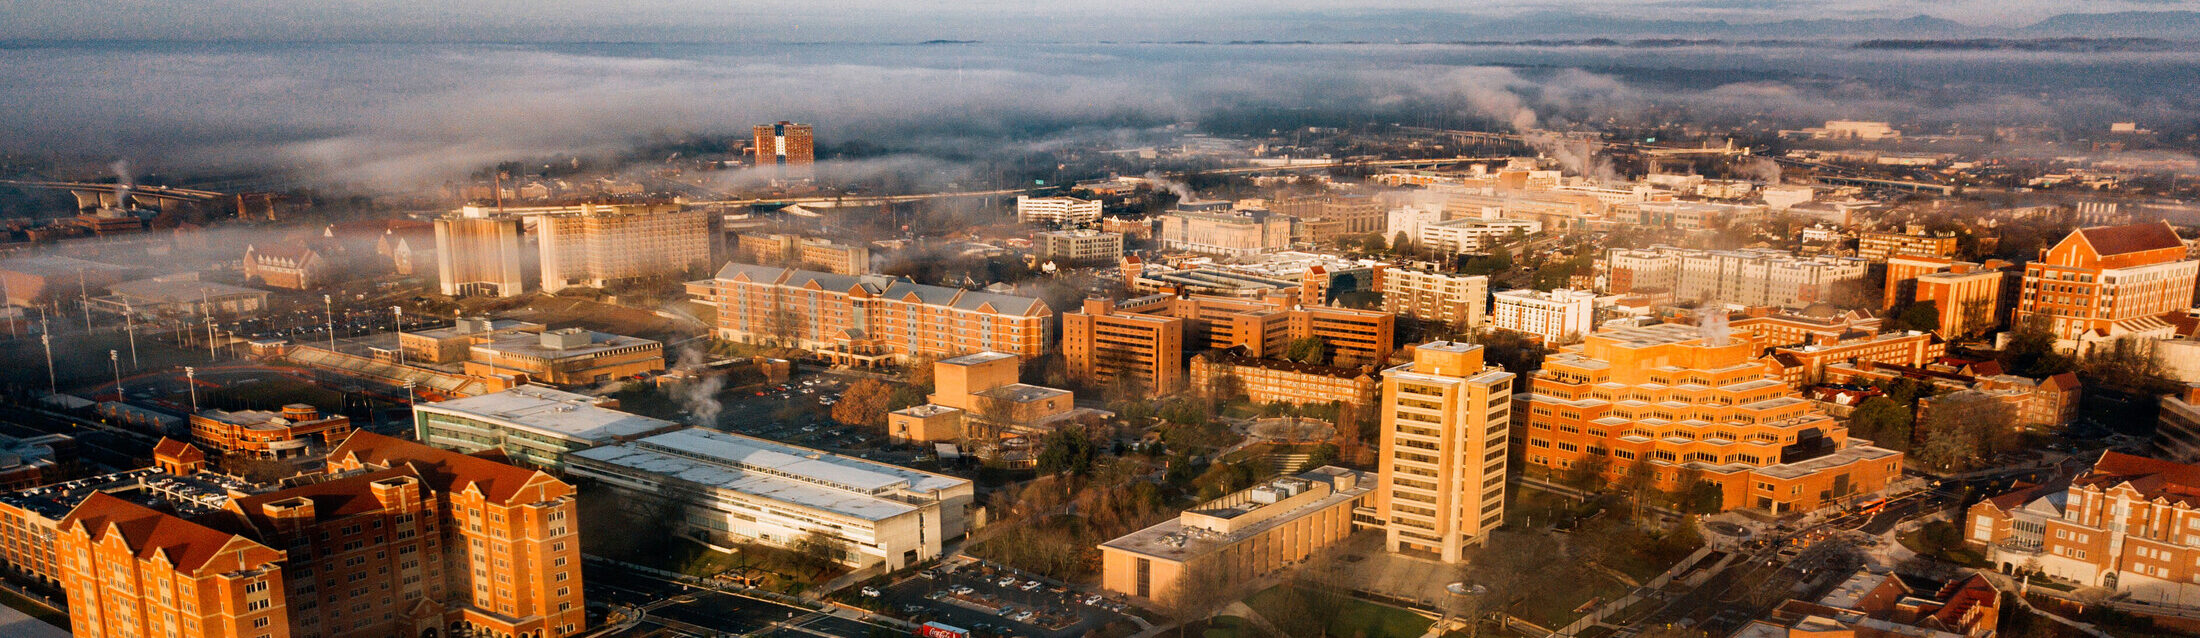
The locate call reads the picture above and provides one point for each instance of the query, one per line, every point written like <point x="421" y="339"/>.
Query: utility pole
<point x="114" y="360"/>
<point x="210" y="356"/>
<point x="191" y="378"/>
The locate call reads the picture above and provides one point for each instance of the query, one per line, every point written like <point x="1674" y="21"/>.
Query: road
<point x="673" y="608"/>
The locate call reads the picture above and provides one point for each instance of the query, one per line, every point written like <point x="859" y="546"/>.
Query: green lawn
<point x="35" y="610"/>
<point x="1358" y="618"/>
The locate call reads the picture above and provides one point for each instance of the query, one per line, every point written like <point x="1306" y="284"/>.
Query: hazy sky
<point x="903" y="20"/>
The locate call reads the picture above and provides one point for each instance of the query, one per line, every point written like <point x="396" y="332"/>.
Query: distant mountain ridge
<point x="2170" y="25"/>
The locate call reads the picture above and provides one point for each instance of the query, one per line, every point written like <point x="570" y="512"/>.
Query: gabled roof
<point x="174" y="449"/>
<point x="999" y="303"/>
<point x="751" y="272"/>
<point x="187" y="545"/>
<point x="285" y="252"/>
<point x="2130" y="238"/>
<point x="331" y="499"/>
<point x="445" y="470"/>
<point x="2064" y="382"/>
<point x="2153" y="478"/>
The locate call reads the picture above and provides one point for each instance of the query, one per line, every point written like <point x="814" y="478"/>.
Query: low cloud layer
<point x="404" y="116"/>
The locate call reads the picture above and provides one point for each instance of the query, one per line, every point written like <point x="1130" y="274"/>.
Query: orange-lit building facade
<point x="1678" y="396"/>
<point x="2104" y="283"/>
<point x="2127" y="523"/>
<point x="298" y="430"/>
<point x="1441" y="482"/>
<point x="1106" y="347"/>
<point x="508" y="536"/>
<point x="869" y="319"/>
<point x="1148" y="337"/>
<point x="1278" y="381"/>
<point x="132" y="571"/>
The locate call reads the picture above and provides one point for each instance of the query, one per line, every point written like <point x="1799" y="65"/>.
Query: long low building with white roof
<point x="741" y="488"/>
<point x="534" y="425"/>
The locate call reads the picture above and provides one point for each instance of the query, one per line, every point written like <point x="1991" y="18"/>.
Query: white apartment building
<point x="1459" y="300"/>
<point x="1057" y="210"/>
<point x="1079" y="246"/>
<point x="1558" y="316"/>
<point x="738" y="488"/>
<point x="1472" y="236"/>
<point x="1748" y="276"/>
<point x="605" y="243"/>
<point x="1408" y="219"/>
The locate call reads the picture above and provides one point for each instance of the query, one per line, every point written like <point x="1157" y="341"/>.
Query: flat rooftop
<point x="978" y="358"/>
<point x="554" y="412"/>
<point x="530" y="345"/>
<point x="814" y="478"/>
<point x="1023" y="392"/>
<point x="1172" y="540"/>
<point x="462" y="329"/>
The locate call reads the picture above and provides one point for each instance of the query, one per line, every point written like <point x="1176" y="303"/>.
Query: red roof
<point x="2153" y="478"/>
<point x="342" y="497"/>
<point x="174" y="449"/>
<point x="445" y="470"/>
<point x="189" y="546"/>
<point x="2064" y="382"/>
<point x="2131" y="238"/>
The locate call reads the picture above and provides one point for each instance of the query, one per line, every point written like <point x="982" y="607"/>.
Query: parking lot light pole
<point x="400" y="332"/>
<point x="45" y="337"/>
<point x="191" y="380"/>
<point x="114" y="360"/>
<point x="328" y="309"/>
<point x="129" y="321"/>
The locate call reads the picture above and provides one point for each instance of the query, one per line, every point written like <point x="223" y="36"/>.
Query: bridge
<point x="92" y="196"/>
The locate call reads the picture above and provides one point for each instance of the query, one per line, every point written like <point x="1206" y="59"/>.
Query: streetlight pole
<point x="129" y="322"/>
<point x="191" y="379"/>
<point x="84" y="293"/>
<point x="210" y="356"/>
<point x="46" y="338"/>
<point x="328" y="309"/>
<point x="400" y="334"/>
<point x="114" y="360"/>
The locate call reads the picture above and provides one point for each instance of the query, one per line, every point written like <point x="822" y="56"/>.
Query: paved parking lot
<point x="700" y="612"/>
<point x="747" y="412"/>
<point x="935" y="599"/>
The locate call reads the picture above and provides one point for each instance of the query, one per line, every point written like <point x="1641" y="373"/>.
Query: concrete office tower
<point x="785" y="145"/>
<point x="478" y="254"/>
<point x="604" y="244"/>
<point x="1442" y="481"/>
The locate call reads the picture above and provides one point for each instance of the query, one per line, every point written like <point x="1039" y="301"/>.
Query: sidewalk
<point x="1636" y="595"/>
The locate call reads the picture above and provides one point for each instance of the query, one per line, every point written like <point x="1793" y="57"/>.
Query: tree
<point x="1923" y="316"/>
<point x="1198" y="591"/>
<point x="2031" y="350"/>
<point x="1066" y="452"/>
<point x="1884" y="421"/>
<point x="864" y="403"/>
<point x="1962" y="429"/>
<point x="1696" y="495"/>
<point x="1401" y="244"/>
<point x="1311" y="350"/>
<point x="820" y="551"/>
<point x="1588" y="473"/>
<point x="1640" y="481"/>
<point x="918" y="371"/>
